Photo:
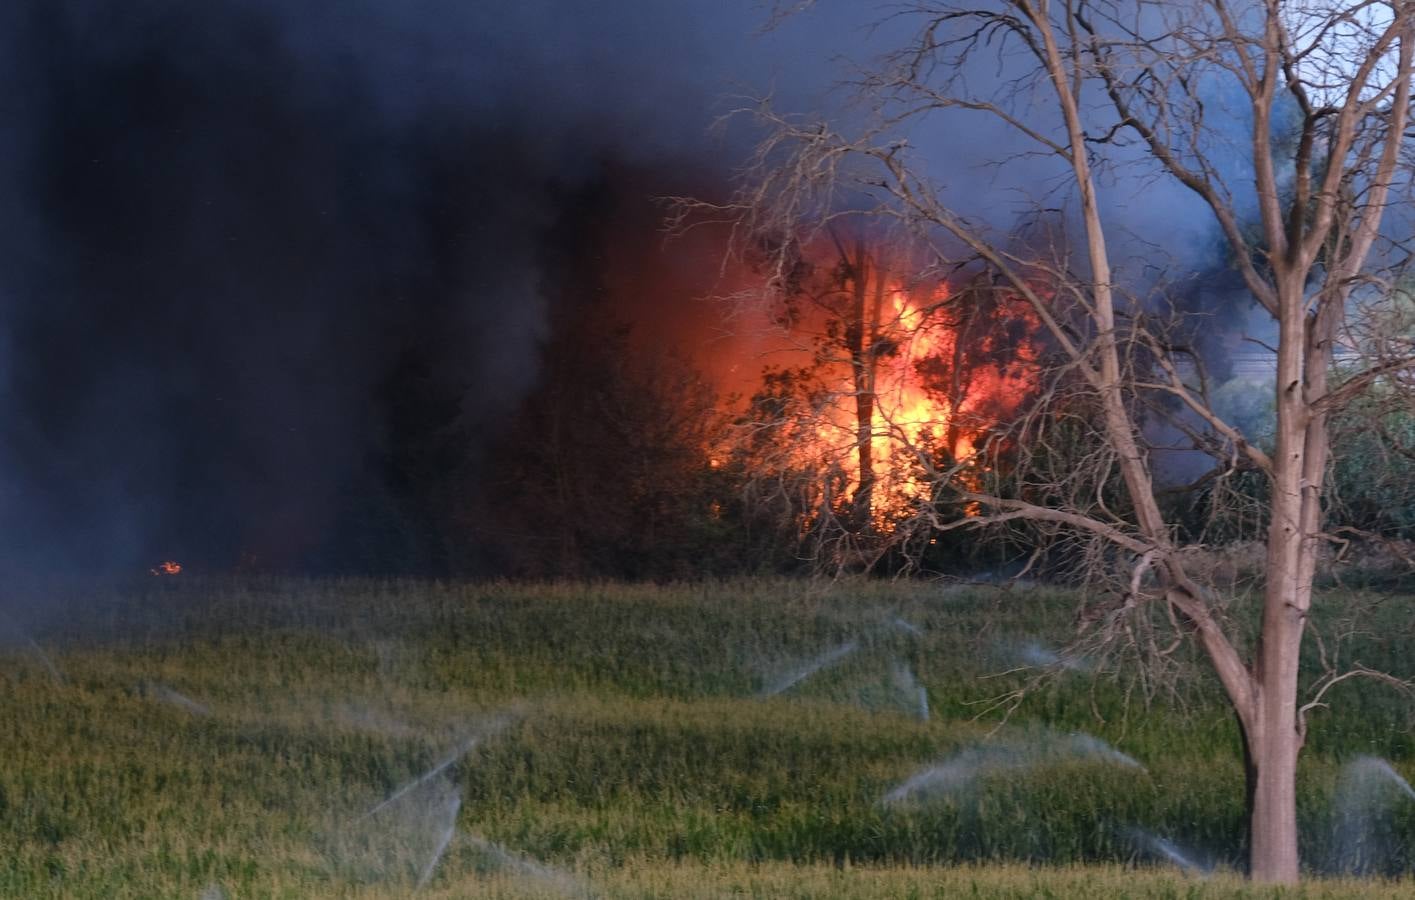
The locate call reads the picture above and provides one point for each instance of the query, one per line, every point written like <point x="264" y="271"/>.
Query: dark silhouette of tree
<point x="610" y="467"/>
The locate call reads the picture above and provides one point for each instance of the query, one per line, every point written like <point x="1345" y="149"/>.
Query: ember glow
<point x="166" y="567"/>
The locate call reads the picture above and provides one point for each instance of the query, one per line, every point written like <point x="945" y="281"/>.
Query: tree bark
<point x="1274" y="734"/>
<point x="1274" y="739"/>
<point x="1272" y="760"/>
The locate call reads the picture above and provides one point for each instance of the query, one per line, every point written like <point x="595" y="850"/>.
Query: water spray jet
<point x="34" y="649"/>
<point x="453" y="806"/>
<point x="1167" y="850"/>
<point x="1367" y="791"/>
<point x="562" y="881"/>
<point x="457" y="753"/>
<point x="452" y="756"/>
<point x="905" y="626"/>
<point x="914" y="693"/>
<point x="175" y="698"/>
<point x="824" y="661"/>
<point x="961" y="771"/>
<point x="46" y="661"/>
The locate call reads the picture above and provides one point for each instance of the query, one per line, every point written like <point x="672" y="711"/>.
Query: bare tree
<point x="1287" y="121"/>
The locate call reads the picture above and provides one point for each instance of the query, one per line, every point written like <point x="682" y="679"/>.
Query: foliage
<point x="1373" y="477"/>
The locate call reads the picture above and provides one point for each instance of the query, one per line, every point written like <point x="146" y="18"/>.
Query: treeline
<point x="605" y="469"/>
<point x="624" y="462"/>
<point x="610" y="469"/>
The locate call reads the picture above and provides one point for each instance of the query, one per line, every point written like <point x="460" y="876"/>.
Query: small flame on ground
<point x="166" y="567"/>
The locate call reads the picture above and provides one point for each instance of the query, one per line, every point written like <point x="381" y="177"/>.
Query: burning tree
<point x="1287" y="122"/>
<point x="906" y="375"/>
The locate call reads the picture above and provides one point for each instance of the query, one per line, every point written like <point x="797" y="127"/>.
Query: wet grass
<point x="235" y="734"/>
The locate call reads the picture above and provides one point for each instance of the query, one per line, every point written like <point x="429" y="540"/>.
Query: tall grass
<point x="237" y="734"/>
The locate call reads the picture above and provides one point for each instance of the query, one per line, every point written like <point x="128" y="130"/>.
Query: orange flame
<point x="932" y="397"/>
<point x="167" y="567"/>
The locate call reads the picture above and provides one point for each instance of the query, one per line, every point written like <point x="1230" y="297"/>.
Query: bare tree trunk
<point x="861" y="370"/>
<point x="1273" y="818"/>
<point x="1301" y="448"/>
<point x="1273" y="738"/>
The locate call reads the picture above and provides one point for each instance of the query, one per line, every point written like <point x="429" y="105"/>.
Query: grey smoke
<point x="231" y="223"/>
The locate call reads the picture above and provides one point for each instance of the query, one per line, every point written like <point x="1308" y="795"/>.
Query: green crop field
<point x="265" y="738"/>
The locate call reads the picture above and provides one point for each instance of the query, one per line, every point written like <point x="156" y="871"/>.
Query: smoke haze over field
<point x="228" y="222"/>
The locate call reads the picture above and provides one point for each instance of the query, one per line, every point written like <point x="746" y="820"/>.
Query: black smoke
<point x="245" y="245"/>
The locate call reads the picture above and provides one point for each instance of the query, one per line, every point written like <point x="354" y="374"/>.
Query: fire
<point x="166" y="567"/>
<point x="936" y="396"/>
<point x="931" y="369"/>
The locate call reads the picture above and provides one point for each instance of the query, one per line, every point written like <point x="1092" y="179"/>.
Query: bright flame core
<point x="942" y="372"/>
